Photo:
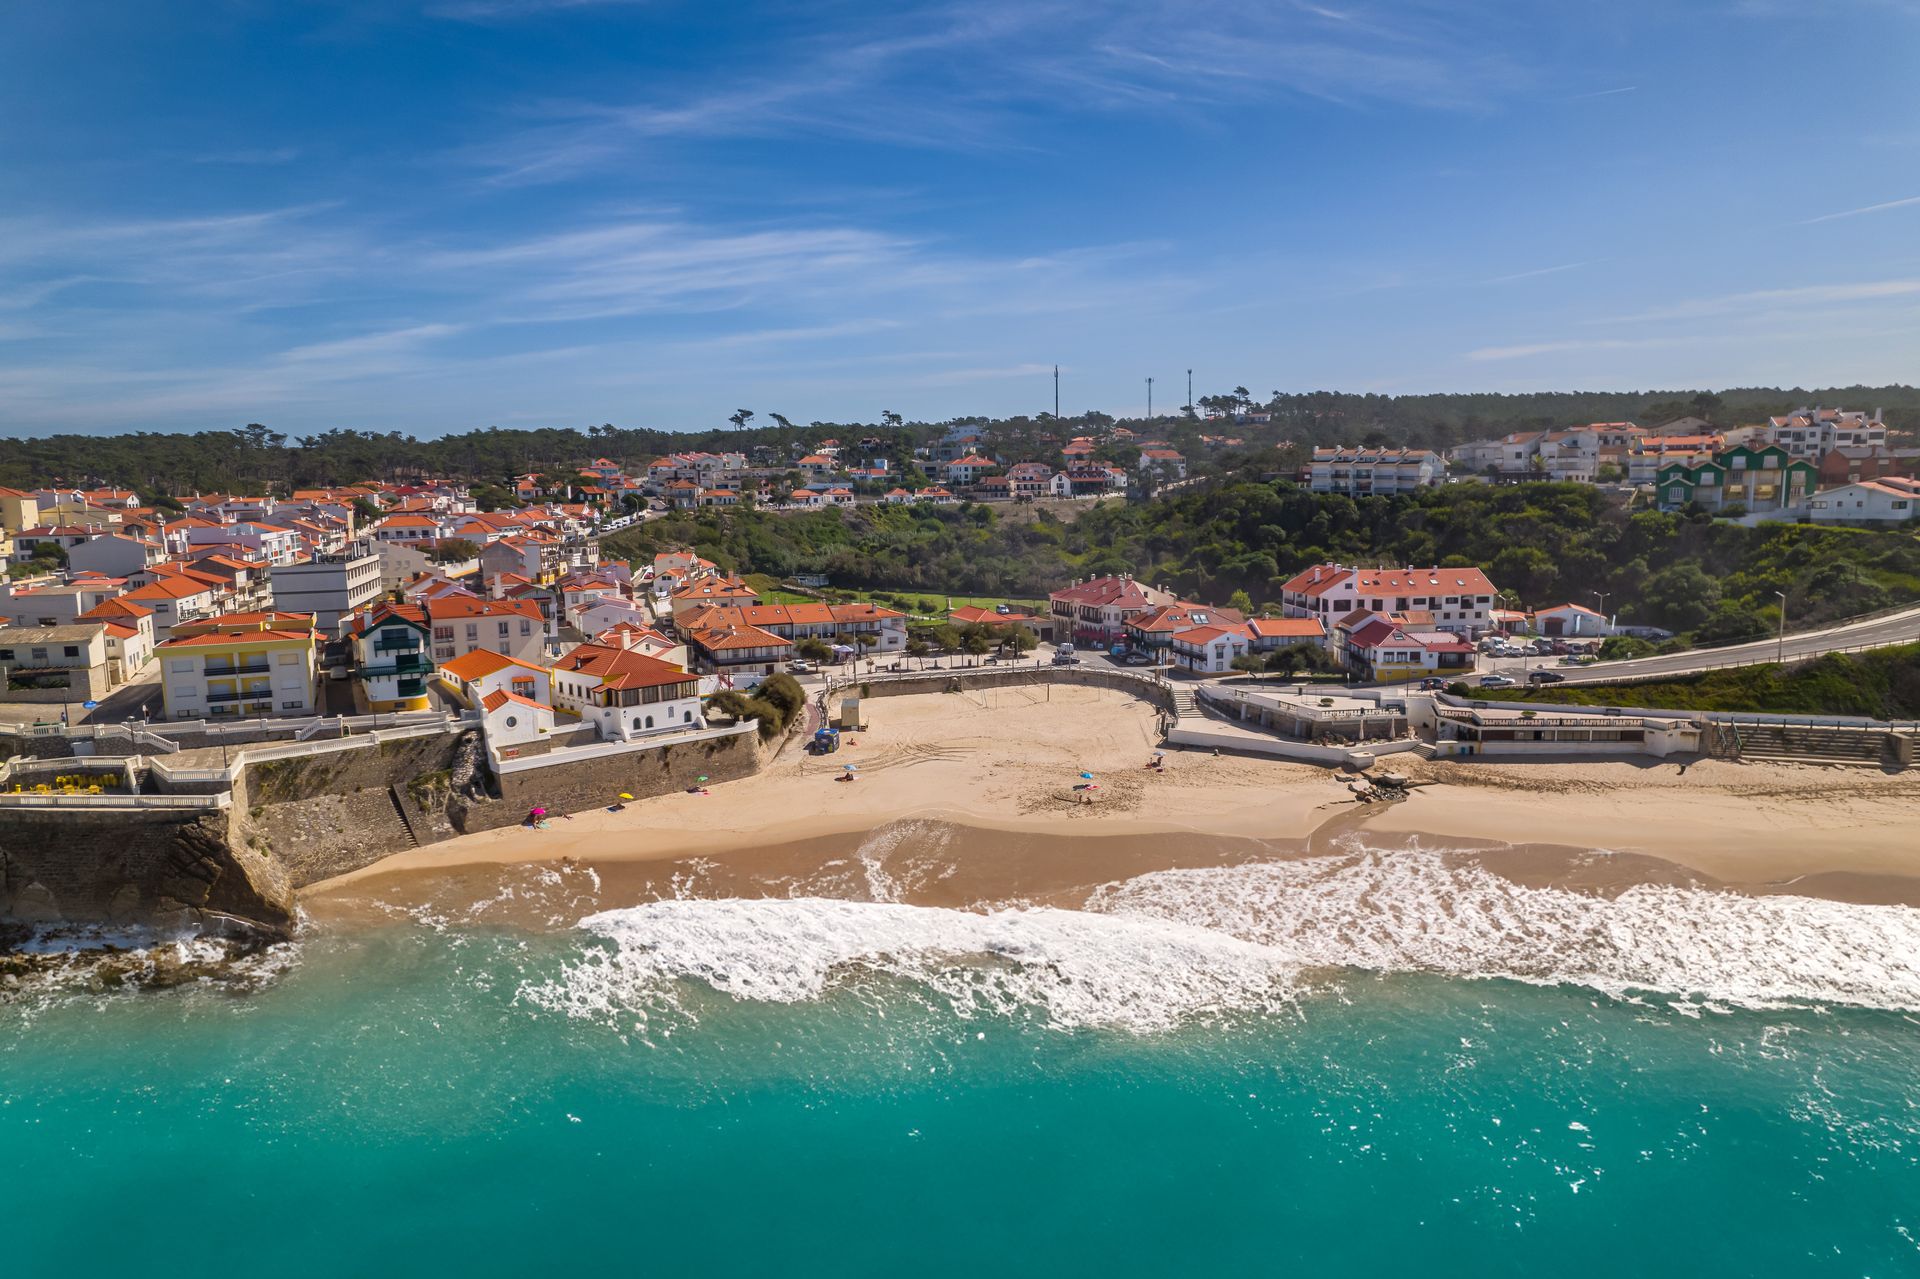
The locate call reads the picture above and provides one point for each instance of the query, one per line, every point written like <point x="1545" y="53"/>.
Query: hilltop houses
<point x="1095" y="612"/>
<point x="1760" y="480"/>
<point x="1459" y="601"/>
<point x="1362" y="472"/>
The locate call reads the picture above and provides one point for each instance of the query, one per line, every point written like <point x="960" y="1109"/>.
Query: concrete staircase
<point x="1821" y="744"/>
<point x="406" y="824"/>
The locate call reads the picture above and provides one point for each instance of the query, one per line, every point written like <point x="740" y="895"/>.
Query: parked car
<point x="1065" y="657"/>
<point x="1544" y="677"/>
<point x="800" y="666"/>
<point x="1497" y="681"/>
<point x="1139" y="659"/>
<point x="1432" y="684"/>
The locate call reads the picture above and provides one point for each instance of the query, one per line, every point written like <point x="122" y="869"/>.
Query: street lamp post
<point x="1605" y="625"/>
<point x="1780" y="648"/>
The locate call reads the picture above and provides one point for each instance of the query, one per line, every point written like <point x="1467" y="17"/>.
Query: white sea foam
<point x="1152" y="952"/>
<point x="1070" y="967"/>
<point x="1443" y="913"/>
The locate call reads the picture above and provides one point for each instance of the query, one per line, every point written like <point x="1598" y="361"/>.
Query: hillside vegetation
<point x="1883" y="683"/>
<point x="1543" y="544"/>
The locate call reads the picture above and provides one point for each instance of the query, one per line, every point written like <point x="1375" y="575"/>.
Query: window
<point x="293" y="706"/>
<point x="526" y="626"/>
<point x="6" y="655"/>
<point x="503" y="630"/>
<point x="443" y="632"/>
<point x="473" y="632"/>
<point x="636" y="722"/>
<point x="71" y="650"/>
<point x="512" y="720"/>
<point x="39" y="654"/>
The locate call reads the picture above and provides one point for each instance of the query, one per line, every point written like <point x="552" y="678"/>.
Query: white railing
<point x="603" y="750"/>
<point x="222" y="799"/>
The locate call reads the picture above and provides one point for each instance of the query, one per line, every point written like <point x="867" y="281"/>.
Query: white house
<point x="625" y="694"/>
<point x="510" y="722"/>
<point x="595" y="614"/>
<point x="480" y="673"/>
<point x="1570" y="620"/>
<point x="1459" y="599"/>
<point x="115" y="555"/>
<point x="1210" y="650"/>
<point x="129" y="636"/>
<point x="1889" y="498"/>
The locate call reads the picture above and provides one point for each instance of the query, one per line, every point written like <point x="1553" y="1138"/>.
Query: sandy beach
<point x="971" y="797"/>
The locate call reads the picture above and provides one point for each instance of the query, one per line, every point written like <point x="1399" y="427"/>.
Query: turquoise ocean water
<point x="840" y="1089"/>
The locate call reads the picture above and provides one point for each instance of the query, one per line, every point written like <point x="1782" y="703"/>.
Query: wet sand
<point x="970" y="800"/>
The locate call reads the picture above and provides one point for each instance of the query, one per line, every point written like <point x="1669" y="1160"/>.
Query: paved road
<point x="1897" y="628"/>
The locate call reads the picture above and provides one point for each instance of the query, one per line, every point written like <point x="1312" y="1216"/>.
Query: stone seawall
<point x="335" y="811"/>
<point x="594" y="783"/>
<point x="136" y="867"/>
<point x="1156" y="693"/>
<point x="301" y="818"/>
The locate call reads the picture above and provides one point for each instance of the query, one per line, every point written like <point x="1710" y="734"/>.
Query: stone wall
<point x="1157" y="694"/>
<point x="337" y="810"/>
<point x="128" y="867"/>
<point x="644" y="772"/>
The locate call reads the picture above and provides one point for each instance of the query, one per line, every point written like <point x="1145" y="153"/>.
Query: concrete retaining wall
<point x="571" y="785"/>
<point x="1157" y="692"/>
<point x="1192" y="732"/>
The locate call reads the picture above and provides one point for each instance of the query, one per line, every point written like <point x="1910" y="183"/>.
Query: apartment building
<point x="462" y="623"/>
<point x="330" y="586"/>
<point x="250" y="664"/>
<point x="1096" y="611"/>
<point x="392" y="656"/>
<point x="54" y="664"/>
<point x="1810" y="434"/>
<point x="1459" y="600"/>
<point x="1760" y="480"/>
<point x="1362" y="472"/>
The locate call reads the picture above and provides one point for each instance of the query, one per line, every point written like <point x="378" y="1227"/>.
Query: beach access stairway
<point x="1866" y="745"/>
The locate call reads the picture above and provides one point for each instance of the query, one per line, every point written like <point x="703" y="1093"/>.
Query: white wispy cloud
<point x="980" y="76"/>
<point x="1909" y="202"/>
<point x="1529" y="350"/>
<point x="1537" y="272"/>
<point x="1756" y="300"/>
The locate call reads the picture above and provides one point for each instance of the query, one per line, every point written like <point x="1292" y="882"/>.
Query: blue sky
<point x="431" y="215"/>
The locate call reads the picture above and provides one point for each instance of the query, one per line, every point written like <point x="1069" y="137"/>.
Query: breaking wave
<point x="1153" y="952"/>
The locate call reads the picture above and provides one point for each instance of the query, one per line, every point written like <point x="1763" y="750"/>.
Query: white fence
<point x="607" y="750"/>
<point x="92" y="803"/>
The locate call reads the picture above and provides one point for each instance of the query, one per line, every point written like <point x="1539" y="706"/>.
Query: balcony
<point x="413" y="664"/>
<point x="264" y="696"/>
<point x="227" y="670"/>
<point x="410" y="644"/>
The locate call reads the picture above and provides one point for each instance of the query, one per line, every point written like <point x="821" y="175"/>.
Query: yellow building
<point x="18" y="510"/>
<point x="241" y="665"/>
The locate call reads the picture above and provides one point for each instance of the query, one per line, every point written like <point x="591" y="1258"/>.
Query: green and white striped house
<point x="1760" y="479"/>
